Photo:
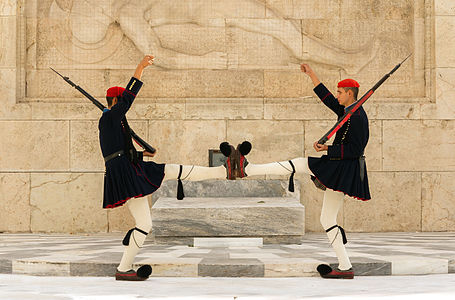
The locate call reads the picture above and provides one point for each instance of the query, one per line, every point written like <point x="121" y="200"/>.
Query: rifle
<point x="356" y="105"/>
<point x="135" y="137"/>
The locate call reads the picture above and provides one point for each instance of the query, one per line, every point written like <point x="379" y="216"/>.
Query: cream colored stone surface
<point x="65" y="111"/>
<point x="14" y="196"/>
<point x="381" y="109"/>
<point x="8" y="89"/>
<point x="263" y="43"/>
<point x="15" y="112"/>
<point x="419" y="145"/>
<point x="438" y="207"/>
<point x="225" y="108"/>
<point x="8" y="8"/>
<point x="7" y="41"/>
<point x="166" y="84"/>
<point x="306" y="108"/>
<point x="444" y="108"/>
<point x="186" y="142"/>
<point x="199" y="39"/>
<point x="240" y="84"/>
<point x="64" y="38"/>
<point x="10" y="110"/>
<point x="45" y="84"/>
<point x="157" y="84"/>
<point x="85" y="146"/>
<point x="445" y="41"/>
<point x="84" y="109"/>
<point x="239" y="9"/>
<point x="161" y="108"/>
<point x="297" y="9"/>
<point x="373" y="150"/>
<point x="67" y="203"/>
<point x="203" y="84"/>
<point x="444" y="7"/>
<point x="285" y="84"/>
<point x="271" y="140"/>
<point x="34" y="145"/>
<point x="8" y="86"/>
<point x="395" y="204"/>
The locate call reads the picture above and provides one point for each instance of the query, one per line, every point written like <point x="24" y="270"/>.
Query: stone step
<point x="208" y="267"/>
<point x="228" y="242"/>
<point x="275" y="219"/>
<point x="394" y="253"/>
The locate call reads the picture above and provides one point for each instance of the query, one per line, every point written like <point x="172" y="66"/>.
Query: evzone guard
<point x="128" y="179"/>
<point x="341" y="171"/>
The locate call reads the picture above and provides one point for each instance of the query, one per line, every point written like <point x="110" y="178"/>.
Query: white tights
<point x="330" y="207"/>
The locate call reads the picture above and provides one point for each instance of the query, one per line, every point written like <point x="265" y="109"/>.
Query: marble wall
<point x="225" y="70"/>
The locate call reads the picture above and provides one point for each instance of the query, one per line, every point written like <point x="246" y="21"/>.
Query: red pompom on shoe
<point x="142" y="274"/>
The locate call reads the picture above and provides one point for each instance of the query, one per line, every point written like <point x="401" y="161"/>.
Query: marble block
<point x="265" y="217"/>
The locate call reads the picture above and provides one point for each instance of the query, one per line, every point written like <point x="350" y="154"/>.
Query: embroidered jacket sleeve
<point x="124" y="103"/>
<point x="355" y="141"/>
<point x="328" y="99"/>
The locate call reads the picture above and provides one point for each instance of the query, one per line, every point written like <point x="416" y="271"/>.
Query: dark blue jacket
<point x="124" y="179"/>
<point x="340" y="169"/>
<point x="111" y="132"/>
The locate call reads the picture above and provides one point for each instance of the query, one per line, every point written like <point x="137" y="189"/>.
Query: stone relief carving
<point x="93" y="30"/>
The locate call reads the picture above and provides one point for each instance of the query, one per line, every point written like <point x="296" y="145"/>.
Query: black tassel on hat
<point x="180" y="194"/>
<point x="291" y="179"/>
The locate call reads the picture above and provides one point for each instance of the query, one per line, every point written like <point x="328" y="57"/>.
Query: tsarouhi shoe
<point x="240" y="159"/>
<point x="230" y="163"/>
<point x="327" y="272"/>
<point x="141" y="274"/>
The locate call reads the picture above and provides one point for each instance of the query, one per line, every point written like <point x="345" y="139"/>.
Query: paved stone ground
<point x="98" y="255"/>
<point x="424" y="287"/>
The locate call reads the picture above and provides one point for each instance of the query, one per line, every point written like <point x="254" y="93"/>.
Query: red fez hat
<point x="114" y="91"/>
<point x="348" y="83"/>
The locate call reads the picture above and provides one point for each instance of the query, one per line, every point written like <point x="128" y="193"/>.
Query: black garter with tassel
<point x="180" y="194"/>
<point x="291" y="179"/>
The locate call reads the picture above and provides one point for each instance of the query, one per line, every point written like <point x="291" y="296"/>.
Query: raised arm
<point x="307" y="70"/>
<point x="322" y="92"/>
<point x="145" y="62"/>
<point x="124" y="103"/>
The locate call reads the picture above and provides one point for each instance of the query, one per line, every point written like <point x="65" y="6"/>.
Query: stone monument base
<point x="275" y="219"/>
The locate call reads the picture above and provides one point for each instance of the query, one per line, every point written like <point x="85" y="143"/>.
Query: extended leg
<point x="194" y="173"/>
<point x="279" y="168"/>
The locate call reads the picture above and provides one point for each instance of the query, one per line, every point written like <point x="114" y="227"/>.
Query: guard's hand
<point x="319" y="147"/>
<point x="145" y="153"/>
<point x="147" y="61"/>
<point x="305" y="68"/>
